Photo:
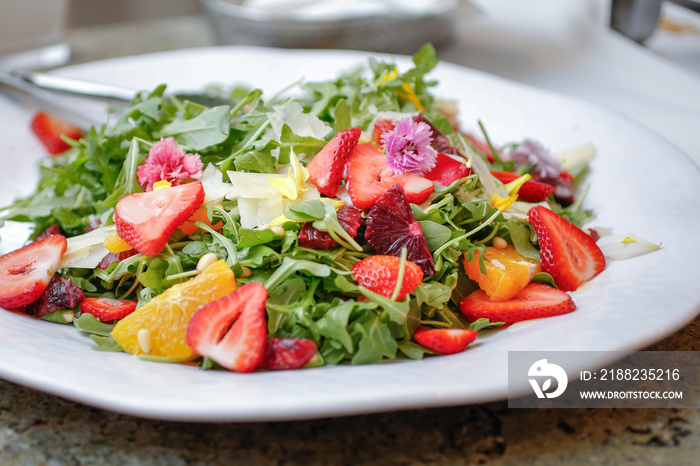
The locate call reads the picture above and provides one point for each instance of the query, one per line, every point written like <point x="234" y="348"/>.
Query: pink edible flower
<point x="408" y="147"/>
<point x="167" y="161"/>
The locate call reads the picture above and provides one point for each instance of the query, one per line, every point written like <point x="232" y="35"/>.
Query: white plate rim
<point x="403" y="385"/>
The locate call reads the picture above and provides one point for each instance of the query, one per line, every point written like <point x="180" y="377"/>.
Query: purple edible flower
<point x="533" y="153"/>
<point x="408" y="147"/>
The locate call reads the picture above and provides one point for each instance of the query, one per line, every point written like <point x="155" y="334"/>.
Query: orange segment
<point x="115" y="244"/>
<point x="506" y="274"/>
<point x="166" y="316"/>
<point x="199" y="215"/>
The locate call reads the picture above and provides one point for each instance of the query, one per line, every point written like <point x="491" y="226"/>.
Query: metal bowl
<point x="400" y="32"/>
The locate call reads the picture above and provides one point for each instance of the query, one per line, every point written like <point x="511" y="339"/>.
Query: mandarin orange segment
<point x="166" y="316"/>
<point x="199" y="215"/>
<point x="115" y="244"/>
<point x="506" y="274"/>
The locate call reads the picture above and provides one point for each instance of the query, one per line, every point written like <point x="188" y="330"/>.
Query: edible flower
<point x="503" y="203"/>
<point x="533" y="154"/>
<point x="407" y="91"/>
<point x="292" y="185"/>
<point x="167" y="161"/>
<point x="408" y="147"/>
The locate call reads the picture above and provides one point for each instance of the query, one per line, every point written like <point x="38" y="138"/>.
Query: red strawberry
<point x="49" y="128"/>
<point x="288" y="353"/>
<point x="368" y="178"/>
<point x="381" y="273"/>
<point x="327" y="168"/>
<point x="447" y="170"/>
<point x="381" y="126"/>
<point x="392" y="227"/>
<point x="146" y="220"/>
<point x="232" y="331"/>
<point x="25" y="273"/>
<point x="445" y="340"/>
<point x="530" y="191"/>
<point x="107" y="309"/>
<point x="311" y="237"/>
<point x="532" y="302"/>
<point x="483" y="146"/>
<point x="567" y="253"/>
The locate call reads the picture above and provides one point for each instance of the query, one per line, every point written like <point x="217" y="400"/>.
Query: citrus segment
<point x="199" y="215"/>
<point x="507" y="272"/>
<point x="115" y="244"/>
<point x="167" y="315"/>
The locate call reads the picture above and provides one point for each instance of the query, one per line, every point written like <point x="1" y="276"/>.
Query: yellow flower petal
<point x="408" y="92"/>
<point x="514" y="186"/>
<point x="293" y="185"/>
<point x="501" y="203"/>
<point x="162" y="184"/>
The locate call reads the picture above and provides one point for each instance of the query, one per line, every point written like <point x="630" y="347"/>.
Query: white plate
<point x="640" y="184"/>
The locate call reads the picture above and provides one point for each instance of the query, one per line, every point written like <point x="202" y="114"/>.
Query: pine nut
<point x="145" y="341"/>
<point x="68" y="316"/>
<point x="278" y="230"/>
<point x="246" y="272"/>
<point x="499" y="243"/>
<point x="206" y="260"/>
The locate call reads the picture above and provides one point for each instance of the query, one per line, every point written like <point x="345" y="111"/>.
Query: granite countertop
<point x="36" y="428"/>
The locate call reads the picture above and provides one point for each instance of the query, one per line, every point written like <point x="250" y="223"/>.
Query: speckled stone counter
<point x="36" y="428"/>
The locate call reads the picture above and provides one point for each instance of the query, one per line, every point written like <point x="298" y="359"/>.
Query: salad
<point x="345" y="221"/>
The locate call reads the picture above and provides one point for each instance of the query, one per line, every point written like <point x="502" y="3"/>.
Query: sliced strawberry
<point x="232" y="331"/>
<point x="447" y="169"/>
<point x="368" y="178"/>
<point x="445" y="340"/>
<point x="327" y="168"/>
<point x="391" y="227"/>
<point x="380" y="274"/>
<point x="288" y="353"/>
<point x="483" y="146"/>
<point x="311" y="237"/>
<point x="381" y="126"/>
<point x="25" y="273"/>
<point x="107" y="309"/>
<point x="146" y="220"/>
<point x="532" y="302"/>
<point x="567" y="253"/>
<point x="530" y="191"/>
<point x="49" y="128"/>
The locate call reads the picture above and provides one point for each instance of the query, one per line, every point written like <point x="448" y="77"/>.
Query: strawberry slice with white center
<point x="447" y="170"/>
<point x="532" y="302"/>
<point x="147" y="220"/>
<point x="232" y="331"/>
<point x="567" y="253"/>
<point x="368" y="178"/>
<point x="107" y="309"/>
<point x="288" y="353"/>
<point x="327" y="168"/>
<point x="445" y="340"/>
<point x="25" y="273"/>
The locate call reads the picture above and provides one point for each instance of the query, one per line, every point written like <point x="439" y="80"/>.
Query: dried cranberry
<point x="60" y="294"/>
<point x="52" y="230"/>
